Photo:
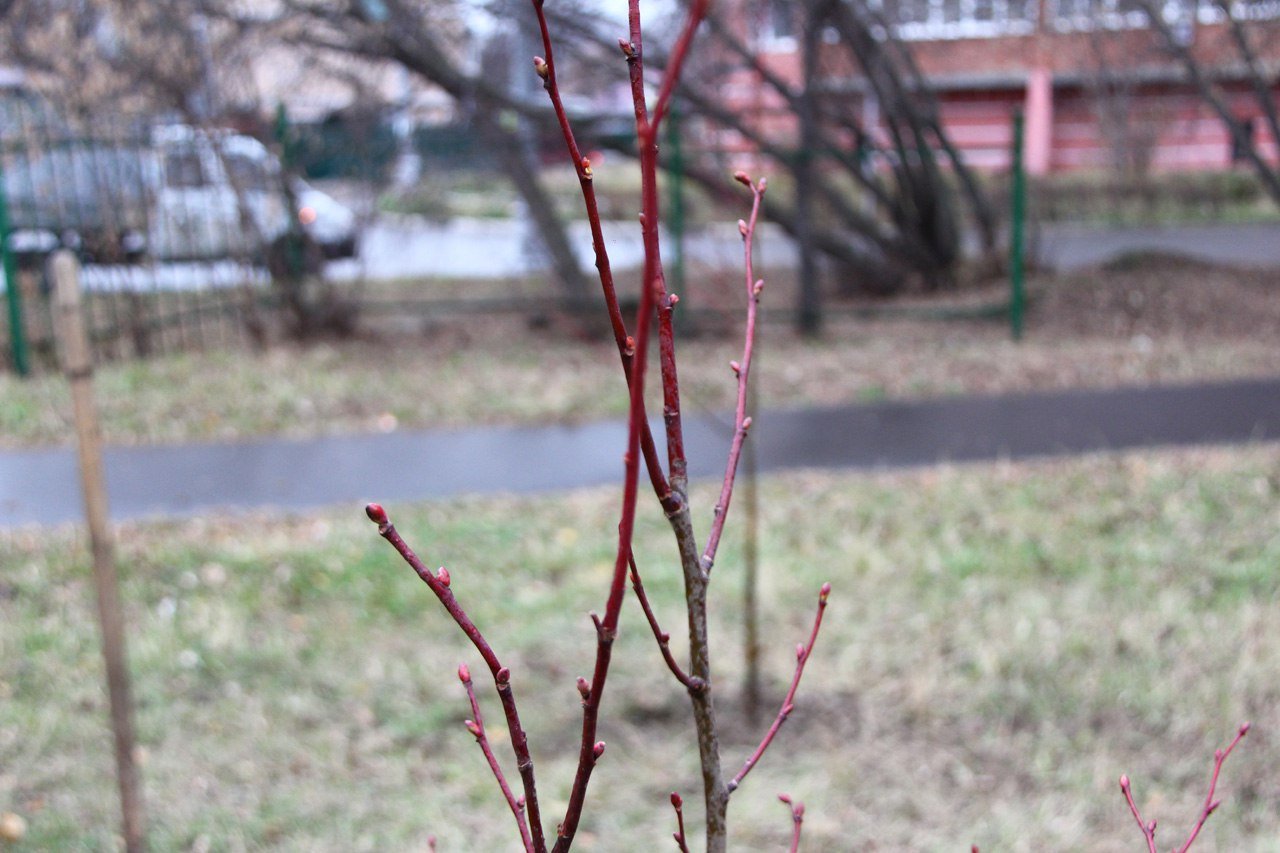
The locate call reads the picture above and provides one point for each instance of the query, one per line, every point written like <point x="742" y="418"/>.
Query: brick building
<point x="1091" y="76"/>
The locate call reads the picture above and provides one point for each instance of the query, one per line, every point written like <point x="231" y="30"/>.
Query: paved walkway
<point x="1063" y="246"/>
<point x="41" y="486"/>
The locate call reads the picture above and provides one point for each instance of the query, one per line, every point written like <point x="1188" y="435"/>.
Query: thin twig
<point x="663" y="638"/>
<point x="546" y="69"/>
<point x="1210" y="804"/>
<point x="797" y="819"/>
<point x="439" y="583"/>
<point x="475" y="725"/>
<point x="802" y="656"/>
<point x="742" y="370"/>
<point x="677" y="803"/>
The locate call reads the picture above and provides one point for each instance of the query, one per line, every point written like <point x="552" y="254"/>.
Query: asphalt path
<point x="41" y="486"/>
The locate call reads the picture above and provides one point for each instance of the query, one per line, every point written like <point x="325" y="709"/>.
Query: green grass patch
<point x="1002" y="642"/>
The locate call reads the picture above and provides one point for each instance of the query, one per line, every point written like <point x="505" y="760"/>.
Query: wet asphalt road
<point x="41" y="486"/>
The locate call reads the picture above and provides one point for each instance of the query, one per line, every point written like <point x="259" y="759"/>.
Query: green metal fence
<point x="92" y="186"/>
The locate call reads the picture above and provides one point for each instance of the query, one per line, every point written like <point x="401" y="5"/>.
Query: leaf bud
<point x="464" y="673"/>
<point x="442" y="575"/>
<point x="1124" y="782"/>
<point x="763" y="184"/>
<point x="474" y="729"/>
<point x="742" y="227"/>
<point x="597" y="750"/>
<point x="735" y="367"/>
<point x="584" y="688"/>
<point x="823" y="593"/>
<point x="746" y="424"/>
<point x="628" y="49"/>
<point x="586" y="168"/>
<point x="799" y="651"/>
<point x="376" y="513"/>
<point x="784" y="798"/>
<point x="742" y="178"/>
<point x="503" y="676"/>
<point x="540" y="66"/>
<point x="759" y="286"/>
<point x="677" y="801"/>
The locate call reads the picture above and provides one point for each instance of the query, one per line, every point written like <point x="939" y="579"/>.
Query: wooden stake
<point x="77" y="364"/>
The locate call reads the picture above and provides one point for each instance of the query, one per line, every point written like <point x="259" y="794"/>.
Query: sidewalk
<point x="40" y="486"/>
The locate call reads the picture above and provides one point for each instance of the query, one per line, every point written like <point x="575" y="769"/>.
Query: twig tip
<point x="464" y="673"/>
<point x="376" y="514"/>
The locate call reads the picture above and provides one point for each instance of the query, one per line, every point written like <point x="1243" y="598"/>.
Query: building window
<point x="1086" y="15"/>
<point x="1216" y="11"/>
<point x="920" y="20"/>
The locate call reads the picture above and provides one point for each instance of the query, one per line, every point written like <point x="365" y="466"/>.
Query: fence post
<point x="12" y="291"/>
<point x="1017" y="224"/>
<point x="77" y="363"/>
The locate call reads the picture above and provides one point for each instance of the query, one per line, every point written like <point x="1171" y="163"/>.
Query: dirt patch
<point x="1161" y="296"/>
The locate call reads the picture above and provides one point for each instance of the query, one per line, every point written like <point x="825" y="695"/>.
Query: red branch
<point x="802" y="656"/>
<point x="475" y="725"/>
<point x="546" y="69"/>
<point x="647" y="129"/>
<point x="741" y="423"/>
<point x="1210" y="804"/>
<point x="439" y="584"/>
<point x="663" y="638"/>
<point x="677" y="803"/>
<point x="797" y="819"/>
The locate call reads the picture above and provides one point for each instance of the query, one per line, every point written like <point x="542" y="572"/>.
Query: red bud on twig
<point x="598" y="750"/>
<point x="503" y="676"/>
<point x="742" y="178"/>
<point x="631" y="346"/>
<point x="746" y="424"/>
<point x="376" y="513"/>
<point x="474" y="729"/>
<point x="759" y="286"/>
<point x="674" y="299"/>
<point x="586" y="167"/>
<point x="784" y="798"/>
<point x="742" y="227"/>
<point x="677" y="801"/>
<point x="763" y="185"/>
<point x="823" y="594"/>
<point x="442" y="575"/>
<point x="799" y="651"/>
<point x="541" y="67"/>
<point x="736" y="368"/>
<point x="464" y="673"/>
<point x="584" y="688"/>
<point x="628" y="49"/>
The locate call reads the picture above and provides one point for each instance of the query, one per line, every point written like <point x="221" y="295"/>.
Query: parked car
<point x="183" y="194"/>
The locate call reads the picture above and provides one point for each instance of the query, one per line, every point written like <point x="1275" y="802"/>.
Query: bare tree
<point x="871" y="191"/>
<point x="1247" y="50"/>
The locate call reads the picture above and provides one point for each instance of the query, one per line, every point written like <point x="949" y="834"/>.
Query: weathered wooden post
<point x="77" y="364"/>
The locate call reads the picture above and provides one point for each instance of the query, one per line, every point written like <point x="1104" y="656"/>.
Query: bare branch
<point x="475" y="725"/>
<point x="802" y="657"/>
<point x="1210" y="804"/>
<point x="439" y="584"/>
<point x="742" y="370"/>
<point x="797" y="819"/>
<point x="677" y="803"/>
<point x="663" y="638"/>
